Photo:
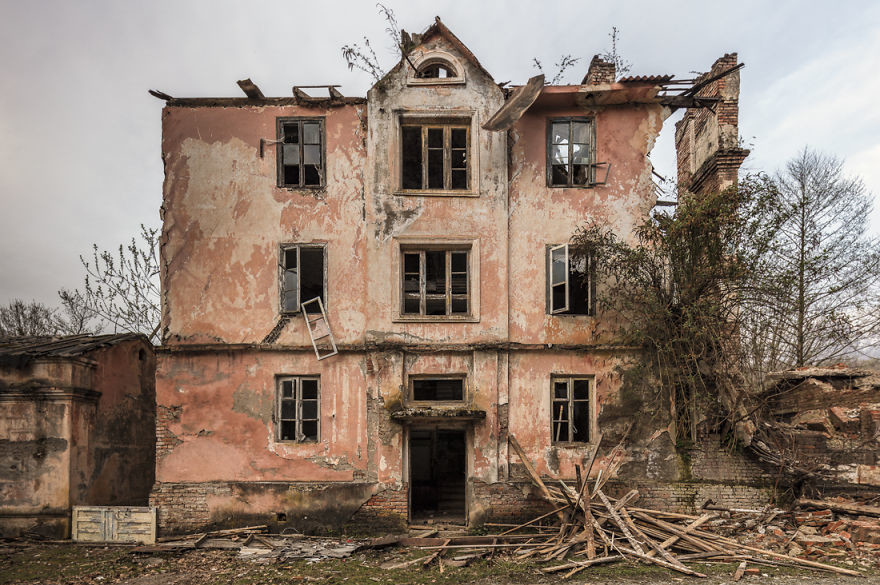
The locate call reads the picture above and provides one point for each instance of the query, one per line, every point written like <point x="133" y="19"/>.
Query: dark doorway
<point x="437" y="459"/>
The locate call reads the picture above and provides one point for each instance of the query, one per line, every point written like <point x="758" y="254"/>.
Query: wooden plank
<point x="250" y="89"/>
<point x="531" y="469"/>
<point x="620" y="523"/>
<point x="857" y="509"/>
<point x="740" y="571"/>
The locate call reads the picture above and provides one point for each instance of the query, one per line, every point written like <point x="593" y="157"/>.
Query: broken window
<point x="302" y="275"/>
<point x="437" y="389"/>
<point x="570" y="152"/>
<point x="435" y="282"/>
<point x="300" y="152"/>
<point x="435" y="157"/>
<point x="298" y="409"/>
<point x="570" y="282"/>
<point x="436" y="70"/>
<point x="572" y="418"/>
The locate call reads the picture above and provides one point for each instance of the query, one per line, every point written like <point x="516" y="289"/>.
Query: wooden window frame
<point x="282" y="268"/>
<point x="591" y="165"/>
<point x="591" y="287"/>
<point x="415" y="377"/>
<point x="298" y="400"/>
<point x="446" y="125"/>
<point x="589" y="403"/>
<point x="279" y="128"/>
<point x="423" y="294"/>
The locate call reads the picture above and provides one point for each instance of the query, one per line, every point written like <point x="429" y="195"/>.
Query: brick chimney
<point x="706" y="143"/>
<point x="600" y="72"/>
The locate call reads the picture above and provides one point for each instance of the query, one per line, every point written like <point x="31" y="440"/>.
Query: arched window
<point x="435" y="68"/>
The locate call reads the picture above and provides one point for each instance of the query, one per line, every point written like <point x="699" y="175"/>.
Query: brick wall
<point x="511" y="501"/>
<point x="714" y="462"/>
<point x="166" y="441"/>
<point x="387" y="510"/>
<point x="600" y="72"/>
<point x="183" y="507"/>
<point x="688" y="497"/>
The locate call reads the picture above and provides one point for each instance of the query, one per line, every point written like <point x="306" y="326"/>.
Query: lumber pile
<point x="593" y="528"/>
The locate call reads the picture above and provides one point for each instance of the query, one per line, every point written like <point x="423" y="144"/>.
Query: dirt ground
<point x="31" y="563"/>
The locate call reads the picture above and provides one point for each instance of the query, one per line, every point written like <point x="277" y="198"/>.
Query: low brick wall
<point x="688" y="497"/>
<point x="385" y="511"/>
<point x="312" y="508"/>
<point x="512" y="501"/>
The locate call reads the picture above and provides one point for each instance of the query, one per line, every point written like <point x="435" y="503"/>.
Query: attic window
<point x="436" y="68"/>
<point x="436" y="71"/>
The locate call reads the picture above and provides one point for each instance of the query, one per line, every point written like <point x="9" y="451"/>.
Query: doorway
<point x="438" y="469"/>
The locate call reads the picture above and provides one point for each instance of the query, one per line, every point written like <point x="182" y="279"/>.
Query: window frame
<point x="298" y="400"/>
<point x="284" y="247"/>
<point x="446" y="124"/>
<point x="570" y="401"/>
<point x="548" y="273"/>
<point x="410" y="393"/>
<point x="424" y="296"/>
<point x="430" y="58"/>
<point x="280" y="122"/>
<point x="591" y="165"/>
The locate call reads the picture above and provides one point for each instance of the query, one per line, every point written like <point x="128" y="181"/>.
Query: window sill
<point x="571" y="315"/>
<point x="573" y="445"/>
<point x="587" y="186"/>
<point x="434" y="319"/>
<point x="436" y="193"/>
<point x="435" y="81"/>
<point x="286" y="442"/>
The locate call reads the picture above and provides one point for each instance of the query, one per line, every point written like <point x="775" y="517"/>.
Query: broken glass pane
<point x="560" y="154"/>
<point x="288" y="409"/>
<point x="288" y="430"/>
<point x="560" y="389"/>
<point x="435" y="306"/>
<point x="580" y="175"/>
<point x="311" y="133"/>
<point x="459" y="137"/>
<point x="560" y="411"/>
<point x="312" y="176"/>
<point x="411" y="263"/>
<point x="309" y="389"/>
<point x="459" y="283"/>
<point x="412" y="157"/>
<point x="310" y="430"/>
<point x="459" y="180"/>
<point x="580" y="132"/>
<point x="581" y="389"/>
<point x="559" y="133"/>
<point x="312" y="279"/>
<point x="438" y="389"/>
<point x="459" y="261"/>
<point x="560" y="431"/>
<point x="411" y="305"/>
<point x="459" y="160"/>
<point x="287" y="389"/>
<point x="559" y="175"/>
<point x="291" y="133"/>
<point x="459" y="304"/>
<point x="435" y="271"/>
<point x="581" y="422"/>
<point x="290" y="154"/>
<point x="435" y="137"/>
<point x="435" y="169"/>
<point x="290" y="258"/>
<point x="291" y="175"/>
<point x="309" y="409"/>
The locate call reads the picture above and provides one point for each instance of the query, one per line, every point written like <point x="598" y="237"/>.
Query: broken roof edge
<point x="64" y="346"/>
<point x="243" y="102"/>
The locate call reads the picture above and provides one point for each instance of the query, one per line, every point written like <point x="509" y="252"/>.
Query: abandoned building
<point x="77" y="427"/>
<point x="364" y="299"/>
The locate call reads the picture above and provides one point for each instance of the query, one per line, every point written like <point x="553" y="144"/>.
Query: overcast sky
<point x="80" y="137"/>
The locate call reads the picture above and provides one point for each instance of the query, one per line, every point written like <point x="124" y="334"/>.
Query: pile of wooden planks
<point x="594" y="528"/>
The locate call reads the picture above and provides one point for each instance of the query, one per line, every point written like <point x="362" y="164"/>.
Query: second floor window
<point x="301" y="152"/>
<point x="435" y="157"/>
<point x="435" y="282"/>
<point x="570" y="152"/>
<point x="301" y="275"/>
<point x="570" y="283"/>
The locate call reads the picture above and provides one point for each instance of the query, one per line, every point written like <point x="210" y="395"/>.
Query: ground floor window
<point x="572" y="412"/>
<point x="298" y="409"/>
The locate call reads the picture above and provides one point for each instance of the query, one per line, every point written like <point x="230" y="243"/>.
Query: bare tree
<point x="19" y="318"/>
<point x="364" y="58"/>
<point x="75" y="316"/>
<point x="621" y="65"/>
<point x="122" y="288"/>
<point x="826" y="304"/>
